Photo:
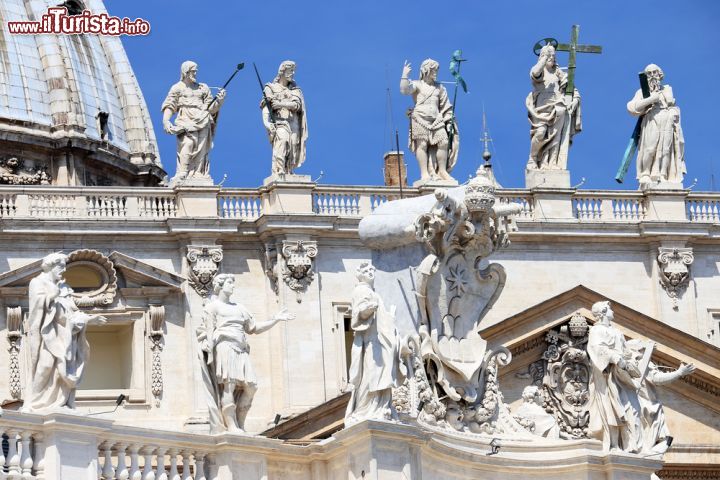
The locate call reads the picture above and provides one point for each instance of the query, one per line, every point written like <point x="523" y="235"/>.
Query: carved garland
<point x="156" y="316"/>
<point x="14" y="323"/>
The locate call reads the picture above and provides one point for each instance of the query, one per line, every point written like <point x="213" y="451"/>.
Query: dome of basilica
<point x="71" y="109"/>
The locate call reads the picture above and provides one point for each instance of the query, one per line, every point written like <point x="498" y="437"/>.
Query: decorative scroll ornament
<point x="102" y="296"/>
<point x="156" y="316"/>
<point x="298" y="272"/>
<point x="675" y="270"/>
<point x="456" y="287"/>
<point x="204" y="265"/>
<point x="14" y="334"/>
<point x="268" y="256"/>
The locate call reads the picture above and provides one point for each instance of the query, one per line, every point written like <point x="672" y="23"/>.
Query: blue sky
<point x="349" y="53"/>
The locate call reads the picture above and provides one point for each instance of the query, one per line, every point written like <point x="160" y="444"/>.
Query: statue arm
<point x="259" y="327"/>
<point x="639" y="105"/>
<point x="407" y="87"/>
<point x="536" y="72"/>
<point x="658" y="378"/>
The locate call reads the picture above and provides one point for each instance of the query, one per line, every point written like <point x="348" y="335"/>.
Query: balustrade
<point x="19" y="461"/>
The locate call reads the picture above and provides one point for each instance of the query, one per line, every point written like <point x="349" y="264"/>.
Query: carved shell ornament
<point x="93" y="262"/>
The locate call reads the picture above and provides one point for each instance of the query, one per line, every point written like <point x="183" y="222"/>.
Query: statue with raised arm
<point x="225" y="355"/>
<point x="654" y="432"/>
<point x="196" y="112"/>
<point x="58" y="346"/>
<point x="375" y="366"/>
<point x="549" y="112"/>
<point x="285" y="119"/>
<point x="661" y="148"/>
<point x="431" y="121"/>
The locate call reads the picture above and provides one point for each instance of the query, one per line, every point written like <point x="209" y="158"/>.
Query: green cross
<point x="574" y="48"/>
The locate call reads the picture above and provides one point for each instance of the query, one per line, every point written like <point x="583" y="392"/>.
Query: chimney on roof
<point x="394" y="168"/>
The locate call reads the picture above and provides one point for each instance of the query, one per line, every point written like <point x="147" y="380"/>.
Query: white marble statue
<point x="285" y="120"/>
<point x="58" y="347"/>
<point x="531" y="410"/>
<point x="654" y="431"/>
<point x="225" y="354"/>
<point x="375" y="367"/>
<point x="612" y="417"/>
<point x="196" y="115"/>
<point x="661" y="149"/>
<point x="549" y="113"/>
<point x="431" y="123"/>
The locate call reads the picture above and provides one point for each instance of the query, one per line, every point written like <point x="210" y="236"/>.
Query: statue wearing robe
<point x="58" y="346"/>
<point x="375" y="365"/>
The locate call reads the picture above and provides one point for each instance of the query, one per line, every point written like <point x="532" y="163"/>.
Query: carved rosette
<point x="14" y="334"/>
<point x="156" y="315"/>
<point x="674" y="266"/>
<point x="298" y="271"/>
<point x="204" y="265"/>
<point x="105" y="294"/>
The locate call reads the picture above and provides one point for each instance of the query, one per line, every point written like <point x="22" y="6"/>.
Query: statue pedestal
<point x="196" y="181"/>
<point x="660" y="186"/>
<point x="547" y="178"/>
<point x="288" y="194"/>
<point x="429" y="186"/>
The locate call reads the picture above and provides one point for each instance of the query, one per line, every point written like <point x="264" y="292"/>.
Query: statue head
<point x="188" y="70"/>
<point x="548" y="51"/>
<point x="223" y="282"/>
<point x="602" y="312"/>
<point x="286" y="70"/>
<point x="532" y="394"/>
<point x="55" y="265"/>
<point x="366" y="273"/>
<point x="654" y="76"/>
<point x="428" y="70"/>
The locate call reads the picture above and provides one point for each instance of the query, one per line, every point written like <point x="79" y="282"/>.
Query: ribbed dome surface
<point x="53" y="88"/>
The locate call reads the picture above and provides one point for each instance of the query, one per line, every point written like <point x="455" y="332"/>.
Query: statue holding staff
<point x="196" y="112"/>
<point x="661" y="145"/>
<point x="431" y="123"/>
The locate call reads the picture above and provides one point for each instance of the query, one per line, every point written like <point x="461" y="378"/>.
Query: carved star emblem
<point x="456" y="279"/>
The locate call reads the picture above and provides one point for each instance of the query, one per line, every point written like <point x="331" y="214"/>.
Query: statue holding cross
<point x="554" y="104"/>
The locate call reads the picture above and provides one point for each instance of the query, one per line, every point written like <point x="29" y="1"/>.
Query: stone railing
<point x="23" y="458"/>
<point x="246" y="204"/>
<point x="240" y="203"/>
<point x="703" y="207"/>
<point x="354" y="201"/>
<point x="602" y="206"/>
<point x="86" y="202"/>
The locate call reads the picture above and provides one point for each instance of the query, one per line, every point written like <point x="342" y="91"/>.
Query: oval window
<point x="83" y="278"/>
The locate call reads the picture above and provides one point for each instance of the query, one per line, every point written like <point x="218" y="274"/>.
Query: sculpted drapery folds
<point x="661" y="149"/>
<point x="375" y="366"/>
<point x="285" y="120"/>
<point x="548" y="112"/>
<point x="227" y="372"/>
<point x="624" y="408"/>
<point x="196" y="117"/>
<point x="58" y="346"/>
<point x="431" y="121"/>
<point x="612" y="416"/>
